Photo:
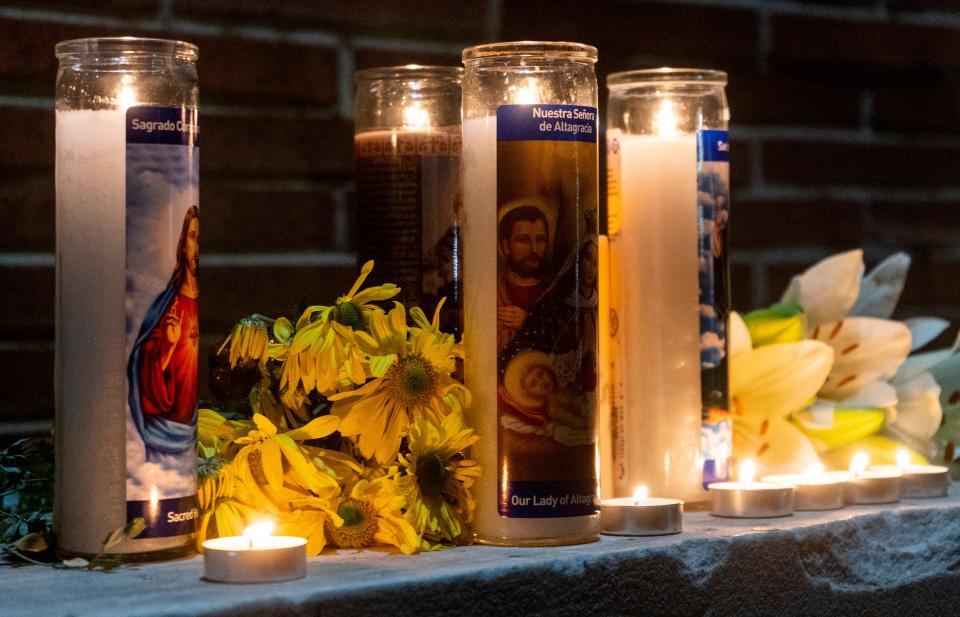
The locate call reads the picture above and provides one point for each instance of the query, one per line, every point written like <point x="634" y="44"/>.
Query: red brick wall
<point x="845" y="133"/>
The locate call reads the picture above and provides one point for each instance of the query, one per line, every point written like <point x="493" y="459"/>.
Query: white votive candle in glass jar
<point x="668" y="195"/>
<point x="530" y="269"/>
<point x="127" y="177"/>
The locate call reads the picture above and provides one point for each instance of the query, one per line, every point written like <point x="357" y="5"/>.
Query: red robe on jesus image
<point x="168" y="371"/>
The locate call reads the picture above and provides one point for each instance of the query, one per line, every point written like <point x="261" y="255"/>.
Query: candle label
<point x="547" y="310"/>
<point x="713" y="215"/>
<point x="617" y="436"/>
<point x="408" y="201"/>
<point x="162" y="249"/>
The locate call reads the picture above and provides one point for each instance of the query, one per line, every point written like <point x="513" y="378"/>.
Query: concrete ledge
<point x="871" y="560"/>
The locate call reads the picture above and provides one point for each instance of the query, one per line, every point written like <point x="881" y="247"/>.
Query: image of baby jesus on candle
<point x="531" y="403"/>
<point x="162" y="369"/>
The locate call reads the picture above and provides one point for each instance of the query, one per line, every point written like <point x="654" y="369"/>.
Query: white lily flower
<point x="768" y="384"/>
<point x="866" y="349"/>
<point x="918" y="413"/>
<point x="880" y="290"/>
<point x="828" y="289"/>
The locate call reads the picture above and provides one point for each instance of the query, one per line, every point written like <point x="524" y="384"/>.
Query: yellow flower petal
<point x="776" y="380"/>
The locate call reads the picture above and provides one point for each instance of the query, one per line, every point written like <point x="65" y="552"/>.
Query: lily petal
<point x="776" y="445"/>
<point x="776" y="380"/>
<point x="866" y="349"/>
<point x="874" y="394"/>
<point x="828" y="289"/>
<point x="848" y="426"/>
<point x="880" y="290"/>
<point x="925" y="329"/>
<point x="919" y="412"/>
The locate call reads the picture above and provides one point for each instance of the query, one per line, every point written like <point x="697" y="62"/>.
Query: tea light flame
<point x="859" y="464"/>
<point x="666" y="119"/>
<point x="747" y="470"/>
<point x="640" y="494"/>
<point x="903" y="460"/>
<point x="812" y="473"/>
<point x="258" y="532"/>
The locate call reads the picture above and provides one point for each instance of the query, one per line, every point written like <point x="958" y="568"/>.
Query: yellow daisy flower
<point x="324" y="350"/>
<point x="438" y="478"/>
<point x="260" y="464"/>
<point x="410" y="372"/>
<point x="373" y="512"/>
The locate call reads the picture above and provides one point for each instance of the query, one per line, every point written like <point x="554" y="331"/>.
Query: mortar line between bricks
<point x="758" y="284"/>
<point x="280" y="112"/>
<point x="179" y="25"/>
<point x="367" y="41"/>
<point x="860" y="194"/>
<point x="25" y="427"/>
<point x="835" y="135"/>
<point x="346" y="67"/>
<point x="212" y="260"/>
<point x="494" y="18"/>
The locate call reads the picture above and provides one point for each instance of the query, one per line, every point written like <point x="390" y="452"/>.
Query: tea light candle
<point x="871" y="486"/>
<point x="748" y="499"/>
<point x="641" y="515"/>
<point x="814" y="489"/>
<point x="255" y="557"/>
<point x="918" y="481"/>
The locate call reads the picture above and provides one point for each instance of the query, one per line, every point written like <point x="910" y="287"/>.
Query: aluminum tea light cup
<point x="255" y="557"/>
<point x="748" y="499"/>
<point x="814" y="489"/>
<point x="641" y="515"/>
<point x="919" y="481"/>
<point x="867" y="486"/>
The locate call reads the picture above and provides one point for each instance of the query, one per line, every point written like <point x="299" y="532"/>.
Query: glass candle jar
<point x="127" y="164"/>
<point x="407" y="123"/>
<point x="669" y="199"/>
<point x="530" y="288"/>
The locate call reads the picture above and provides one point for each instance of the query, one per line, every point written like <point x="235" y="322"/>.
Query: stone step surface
<point x="901" y="559"/>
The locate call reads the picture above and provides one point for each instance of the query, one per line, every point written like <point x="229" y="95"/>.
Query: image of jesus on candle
<point x="523" y="239"/>
<point x="162" y="369"/>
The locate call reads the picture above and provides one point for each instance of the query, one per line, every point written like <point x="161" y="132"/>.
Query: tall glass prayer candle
<point x="127" y="162"/>
<point x="408" y="183"/>
<point x="530" y="288"/>
<point x="668" y="196"/>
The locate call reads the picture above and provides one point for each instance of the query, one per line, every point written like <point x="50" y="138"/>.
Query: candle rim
<point x="755" y="485"/>
<point x="242" y="543"/>
<point x="628" y="502"/>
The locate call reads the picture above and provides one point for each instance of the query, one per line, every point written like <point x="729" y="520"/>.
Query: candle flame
<point x="813" y="473"/>
<point x="640" y="494"/>
<point x="747" y="470"/>
<point x="258" y="532"/>
<point x="903" y="460"/>
<point x="859" y="464"/>
<point x="416" y="117"/>
<point x="666" y="119"/>
<point x="126" y="95"/>
<point x="526" y="94"/>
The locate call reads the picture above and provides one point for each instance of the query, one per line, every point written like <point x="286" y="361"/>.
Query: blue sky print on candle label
<point x="713" y="212"/>
<point x="162" y="256"/>
<point x="547" y="310"/>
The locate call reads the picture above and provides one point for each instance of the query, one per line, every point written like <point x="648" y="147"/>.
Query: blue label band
<point x="166" y="517"/>
<point x="713" y="146"/>
<point x="162" y="125"/>
<point x="544" y="499"/>
<point x="547" y="123"/>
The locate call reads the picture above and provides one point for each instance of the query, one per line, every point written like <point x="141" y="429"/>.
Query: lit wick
<point x="257" y="531"/>
<point x="640" y="494"/>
